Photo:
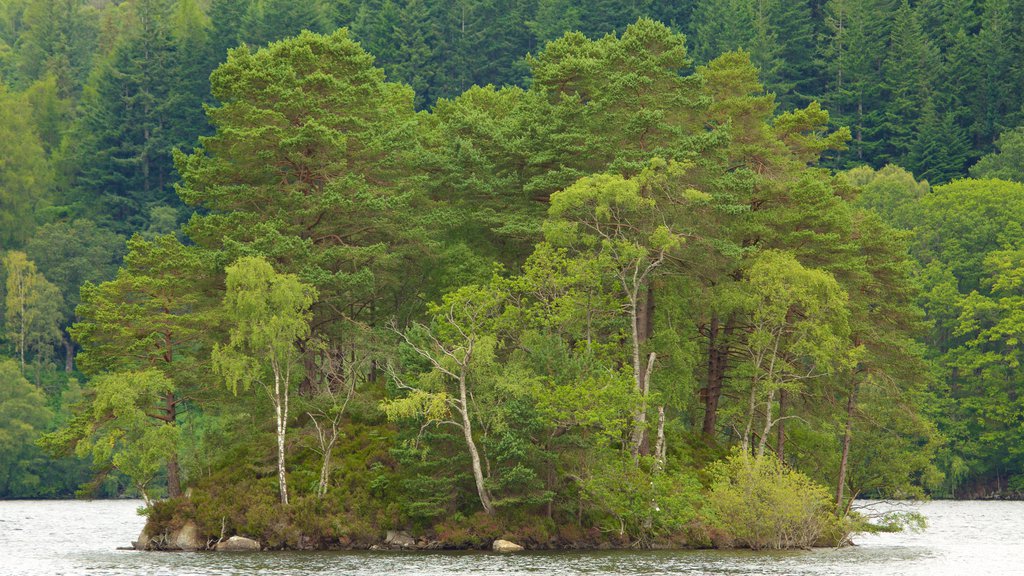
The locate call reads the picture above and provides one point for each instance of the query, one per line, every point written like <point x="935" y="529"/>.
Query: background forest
<point x="570" y="290"/>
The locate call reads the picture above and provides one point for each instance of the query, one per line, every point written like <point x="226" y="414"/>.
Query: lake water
<point x="80" y="538"/>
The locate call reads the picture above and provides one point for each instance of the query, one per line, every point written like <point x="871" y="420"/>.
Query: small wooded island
<point x="630" y="304"/>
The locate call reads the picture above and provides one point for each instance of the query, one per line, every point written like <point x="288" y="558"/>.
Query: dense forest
<point x="548" y="268"/>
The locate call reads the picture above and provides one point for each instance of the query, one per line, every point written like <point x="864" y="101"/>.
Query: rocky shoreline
<point x="188" y="538"/>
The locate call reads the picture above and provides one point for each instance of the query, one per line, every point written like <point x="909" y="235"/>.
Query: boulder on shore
<point x="506" y="546"/>
<point x="399" y="539"/>
<point x="187" y="538"/>
<point x="238" y="544"/>
<point x="144" y="541"/>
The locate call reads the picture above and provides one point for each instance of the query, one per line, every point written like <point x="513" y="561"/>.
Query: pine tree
<point x="854" y="50"/>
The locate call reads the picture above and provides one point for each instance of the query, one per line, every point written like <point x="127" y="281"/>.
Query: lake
<point x="80" y="538"/>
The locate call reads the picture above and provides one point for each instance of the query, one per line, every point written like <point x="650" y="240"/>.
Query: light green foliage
<point x="799" y="332"/>
<point x="800" y="310"/>
<point x="31" y="309"/>
<point x="122" y="434"/>
<point x="890" y="192"/>
<point x="1006" y="163"/>
<point x="26" y="178"/>
<point x="763" y="504"/>
<point x="23" y="417"/>
<point x="640" y="502"/>
<point x="156" y="314"/>
<point x="268" y="314"/>
<point x="959" y="223"/>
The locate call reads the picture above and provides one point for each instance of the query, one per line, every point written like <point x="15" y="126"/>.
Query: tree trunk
<point x="847" y="436"/>
<point x="173" y="470"/>
<point x="659" y="446"/>
<point x="718" y="359"/>
<point x="467" y="429"/>
<point x="307" y="387"/>
<point x="325" y="473"/>
<point x="781" y="442"/>
<point x="281" y="414"/>
<point x="643" y="327"/>
<point x="69" y="353"/>
<point x="768" y="422"/>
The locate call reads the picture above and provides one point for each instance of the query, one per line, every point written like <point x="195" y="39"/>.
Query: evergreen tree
<point x="59" y="39"/>
<point x="938" y="152"/>
<point x="1007" y="162"/>
<point x="266" y="21"/>
<point x="996" y="91"/>
<point x="137" y="108"/>
<point x="909" y="75"/>
<point x="226" y="17"/>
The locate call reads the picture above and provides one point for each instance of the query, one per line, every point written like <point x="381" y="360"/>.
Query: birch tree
<point x="616" y="221"/>
<point x="798" y="331"/>
<point x="32" y="308"/>
<point x="458" y="347"/>
<point x="269" y="314"/>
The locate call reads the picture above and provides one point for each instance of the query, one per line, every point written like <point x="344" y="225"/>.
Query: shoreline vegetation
<point x="546" y="403"/>
<point x="632" y="300"/>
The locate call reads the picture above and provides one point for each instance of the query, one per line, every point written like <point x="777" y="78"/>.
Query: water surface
<point x="80" y="538"/>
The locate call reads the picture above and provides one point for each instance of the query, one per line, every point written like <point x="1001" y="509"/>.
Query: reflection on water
<point x="74" y="538"/>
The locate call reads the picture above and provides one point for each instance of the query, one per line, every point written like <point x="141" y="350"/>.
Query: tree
<point x="71" y="254"/>
<point x="155" y="315"/>
<point x="26" y="177"/>
<point x="267" y="21"/>
<point x="59" y="39"/>
<point x="268" y="313"/>
<point x="312" y="165"/>
<point x="460" y="350"/>
<point x="23" y="417"/>
<point x="117" y="430"/>
<point x="908" y="78"/>
<point x="617" y="222"/>
<point x="1007" y="161"/>
<point x="31" y="308"/>
<point x="137" y="107"/>
<point x="798" y="332"/>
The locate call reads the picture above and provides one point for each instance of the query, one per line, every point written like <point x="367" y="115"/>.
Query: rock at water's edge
<point x="144" y="540"/>
<point x="506" y="546"/>
<point x="238" y="544"/>
<point x="399" y="539"/>
<point x="187" y="538"/>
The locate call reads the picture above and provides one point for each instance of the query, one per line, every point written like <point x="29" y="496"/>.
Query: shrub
<point x="640" y="503"/>
<point x="761" y="503"/>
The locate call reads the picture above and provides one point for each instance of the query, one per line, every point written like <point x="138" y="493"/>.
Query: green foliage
<point x="118" y="431"/>
<point x="762" y="504"/>
<point x="23" y="417"/>
<point x="1006" y="162"/>
<point x="641" y="503"/>
<point x="25" y="174"/>
<point x="347" y="228"/>
<point x="31" y="310"/>
<point x="268" y="313"/>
